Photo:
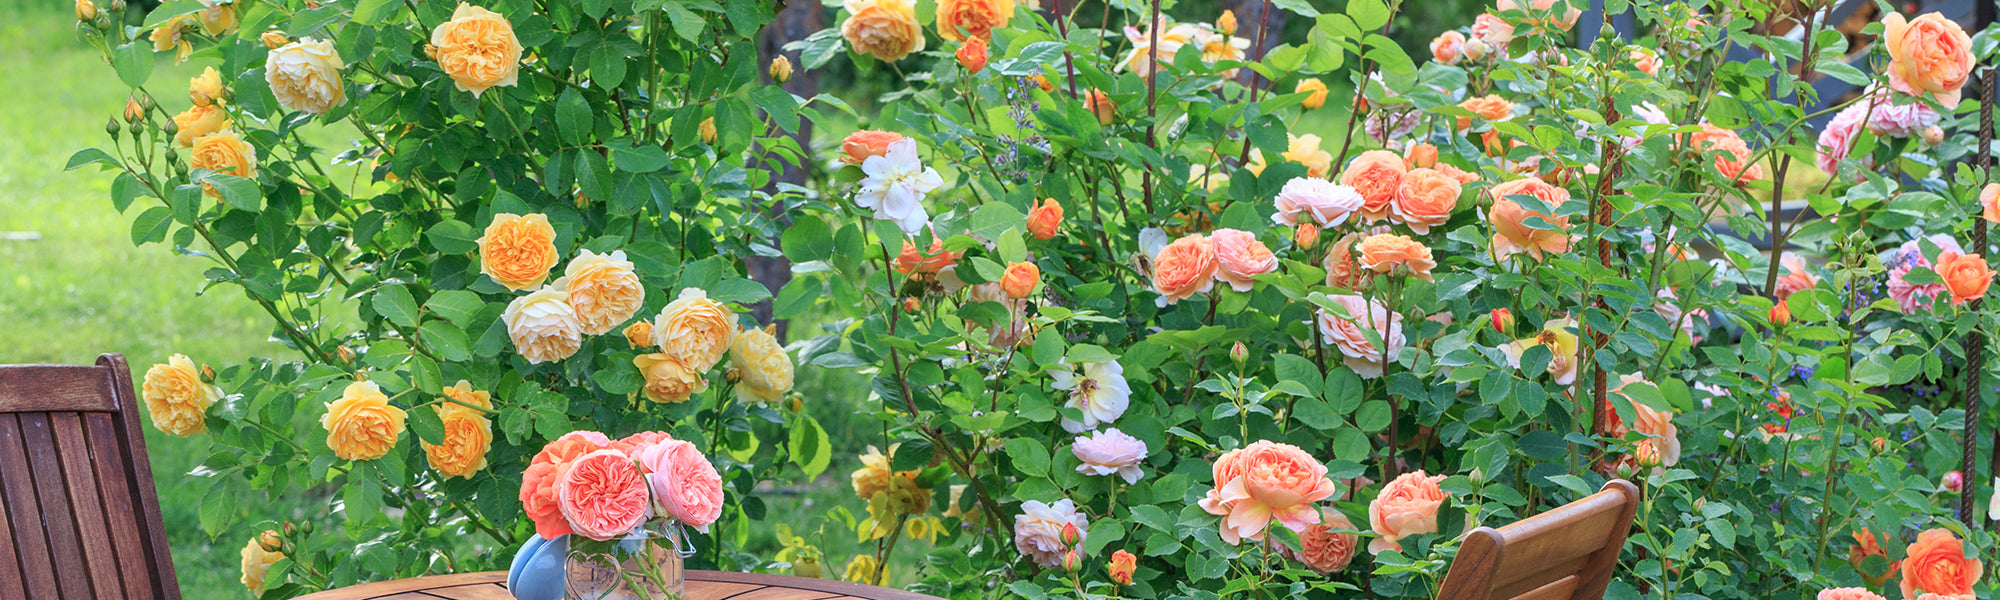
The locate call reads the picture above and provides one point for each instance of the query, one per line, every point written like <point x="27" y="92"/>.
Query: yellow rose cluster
<point x="691" y="334"/>
<point x="890" y="494"/>
<point x="177" y="398"/>
<point x="468" y="434"/>
<point x="596" y="293"/>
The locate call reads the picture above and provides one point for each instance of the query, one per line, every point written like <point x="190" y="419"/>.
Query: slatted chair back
<point x="1564" y="554"/>
<point x="79" y="518"/>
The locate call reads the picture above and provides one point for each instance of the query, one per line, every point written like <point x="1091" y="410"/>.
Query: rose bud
<point x="1933" y="135"/>
<point x="1880" y="445"/>
<point x="972" y="55"/>
<point x="1072" y="561"/>
<point x="1503" y="320"/>
<point x="1307" y="236"/>
<point x="1952" y="482"/>
<point x="1781" y="315"/>
<point x="1239" y="354"/>
<point x="781" y="69"/>
<point x="274" y="39"/>
<point x="1100" y="104"/>
<point x="1070" y="534"/>
<point x="1226" y="24"/>
<point x="911" y="305"/>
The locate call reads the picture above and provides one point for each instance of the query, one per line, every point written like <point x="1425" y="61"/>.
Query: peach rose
<point x="518" y="251"/>
<point x="1448" y="48"/>
<point x="1966" y="277"/>
<point x="197" y="121"/>
<point x="1407" y="506"/>
<point x="1646" y="61"/>
<point x="958" y="20"/>
<point x="1426" y="199"/>
<point x="361" y="425"/>
<point x="1020" y="280"/>
<point x="1302" y="149"/>
<point x="305" y="76"/>
<point x="1342" y="270"/>
<point x="1110" y="452"/>
<point x="538" y="482"/>
<point x="1463" y="177"/>
<point x="667" y="379"/>
<point x="1382" y="253"/>
<point x="1731" y="154"/>
<point x="763" y="370"/>
<point x="543" y="326"/>
<point x="477" y="49"/>
<point x="1316" y="88"/>
<point x="695" y="330"/>
<point x="177" y="398"/>
<point x="633" y="445"/>
<point x="603" y="290"/>
<point x="1493" y="33"/>
<point x="1511" y="234"/>
<point x="1867" y="543"/>
<point x="885" y="29"/>
<point x="1319" y="201"/>
<point x="1271" y="481"/>
<point x="1421" y="156"/>
<point x="1490" y="107"/>
<point x="1044" y="218"/>
<point x="1937" y="563"/>
<point x="1848" y="593"/>
<point x="1239" y="257"/>
<point x="1663" y="448"/>
<point x="1367" y="358"/>
<point x="1378" y="176"/>
<point x="971" y="55"/>
<point x="206" y="89"/>
<point x="1796" y="277"/>
<point x="1184" y="268"/>
<point x="257" y="560"/>
<point x="467" y="436"/>
<point x="639" y="334"/>
<point x="603" y="495"/>
<point x="1989" y="202"/>
<point x="911" y="261"/>
<point x="1323" y="548"/>
<point x="1931" y="54"/>
<point x="687" y="485"/>
<point x="224" y="152"/>
<point x="1099" y="103"/>
<point x="1541" y="12"/>
<point x="1123" y="564"/>
<point x="865" y="143"/>
<point x="1038" y="530"/>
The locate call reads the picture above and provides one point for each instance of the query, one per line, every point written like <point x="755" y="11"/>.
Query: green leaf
<point x="738" y="290"/>
<point x="686" y="23"/>
<point x="573" y="116"/>
<point x="1306" y="10"/>
<point x="395" y="304"/>
<point x="151" y="226"/>
<point x="1290" y="367"/>
<point x="87" y="156"/>
<point x="643" y="158"/>
<point x="453" y="237"/>
<point x="457" y="306"/>
<point x="1373" y="416"/>
<point x="425" y="374"/>
<point x="218" y="506"/>
<point x="134" y="62"/>
<point x="1030" y="456"/>
<point x="807" y="240"/>
<point x="427" y="426"/>
<point x="1367" y="14"/>
<point x="1541" y="444"/>
<point x="1571" y="483"/>
<point x="781" y="105"/>
<point x="243" y="194"/>
<point x="446" y="339"/>
<point x="809" y="446"/>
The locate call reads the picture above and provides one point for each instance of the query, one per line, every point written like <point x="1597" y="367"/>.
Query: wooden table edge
<point x="499" y="578"/>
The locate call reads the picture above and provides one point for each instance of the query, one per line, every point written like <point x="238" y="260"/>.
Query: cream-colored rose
<point x="477" y="49"/>
<point x="362" y="425"/>
<point x="176" y="397"/>
<point x="543" y="326"/>
<point x="765" y="371"/>
<point x="305" y="76"/>
<point x="197" y="121"/>
<point x="885" y="29"/>
<point x="206" y="88"/>
<point x="695" y="330"/>
<point x="603" y="290"/>
<point x="257" y="561"/>
<point x="667" y="379"/>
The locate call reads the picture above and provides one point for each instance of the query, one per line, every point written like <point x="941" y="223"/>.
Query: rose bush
<point x="1132" y="320"/>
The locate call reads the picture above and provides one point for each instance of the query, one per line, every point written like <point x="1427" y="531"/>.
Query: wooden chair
<point x="1563" y="554"/>
<point x="79" y="518"/>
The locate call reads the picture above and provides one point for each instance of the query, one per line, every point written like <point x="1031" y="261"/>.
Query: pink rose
<point x="1837" y="140"/>
<point x="687" y="486"/>
<point x="1240" y="257"/>
<point x="1406" y="507"/>
<point x="1110" y="452"/>
<point x="1274" y="481"/>
<point x="1038" y="530"/>
<point x="1448" y="48"/>
<point x="1849" y="593"/>
<point x="1889" y="119"/>
<point x="1319" y="201"/>
<point x="539" y="482"/>
<point x="1494" y="32"/>
<point x="1345" y="333"/>
<point x="1325" y="550"/>
<point x="603" y="495"/>
<point x="1989" y="203"/>
<point x="633" y="445"/>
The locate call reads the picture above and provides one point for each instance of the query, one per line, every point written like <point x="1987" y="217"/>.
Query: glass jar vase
<point x="643" y="565"/>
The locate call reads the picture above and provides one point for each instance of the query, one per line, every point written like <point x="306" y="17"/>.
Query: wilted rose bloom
<point x="1930" y="54"/>
<point x="1383" y="253"/>
<point x="1448" y="48"/>
<point x="543" y="326"/>
<point x="1319" y="201"/>
<point x="1346" y="334"/>
<point x="1407" y="506"/>
<point x="885" y="29"/>
<point x="1561" y="343"/>
<point x="1240" y="256"/>
<point x="1184" y="268"/>
<point x="1936" y="563"/>
<point x="1263" y="482"/>
<point x="1325" y="549"/>
<point x="1511" y="232"/>
<point x="1110" y="452"/>
<point x="1038" y="530"/>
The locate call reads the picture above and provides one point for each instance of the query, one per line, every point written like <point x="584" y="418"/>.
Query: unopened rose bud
<point x="207" y="373"/>
<point x="1070" y="534"/>
<point x="972" y="55"/>
<point x="111" y="126"/>
<point x="345" y="355"/>
<point x="1953" y="482"/>
<point x="1072" y="561"/>
<point x="1933" y="135"/>
<point x="290" y="528"/>
<point x="1781" y="315"/>
<point x="1422" y="155"/>
<point x="1626" y="469"/>
<point x="781" y="69"/>
<point x="170" y="128"/>
<point x="708" y="130"/>
<point x="911" y="305"/>
<point x="134" y="112"/>
<point x="1239" y="354"/>
<point x="275" y="39"/>
<point x="1100" y="104"/>
<point x="1880" y="445"/>
<point x="796" y="403"/>
<point x="1477" y="475"/>
<point x="1503" y="321"/>
<point x="86" y="11"/>
<point x="1307" y="236"/>
<point x="1475" y="49"/>
<point x="1042" y="82"/>
<point x="306" y="527"/>
<point x="1226" y="23"/>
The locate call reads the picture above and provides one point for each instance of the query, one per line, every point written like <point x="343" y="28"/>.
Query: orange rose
<point x="1407" y="506"/>
<point x="1384" y="252"/>
<point x="1931" y="54"/>
<point x="972" y="55"/>
<point x="1731" y="153"/>
<point x="361" y="425"/>
<point x="1511" y="234"/>
<point x="1989" y="202"/>
<point x="1426" y="199"/>
<point x="960" y="19"/>
<point x="1123" y="564"/>
<point x="1489" y="107"/>
<point x="1184" y="268"/>
<point x="1342" y="271"/>
<point x="865" y="143"/>
<point x="1100" y="104"/>
<point x="1966" y="277"/>
<point x="1936" y="563"/>
<point x="1020" y="280"/>
<point x="1315" y="87"/>
<point x="911" y="261"/>
<point x="224" y="152"/>
<point x="695" y="330"/>
<point x="477" y="49"/>
<point x="1306" y="236"/>
<point x="1421" y="156"/>
<point x="1866" y="543"/>
<point x="1044" y="218"/>
<point x="518" y="251"/>
<point x="885" y="29"/>
<point x="1239" y="257"/>
<point x="1378" y="176"/>
<point x="467" y="434"/>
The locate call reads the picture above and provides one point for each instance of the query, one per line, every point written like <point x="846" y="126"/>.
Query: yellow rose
<point x="463" y="393"/>
<point x="1302" y="149"/>
<point x="1316" y="88"/>
<point x="225" y="152"/>
<point x="886" y="29"/>
<point x="169" y="36"/>
<point x="206" y="88"/>
<point x="361" y="425"/>
<point x="707" y="130"/>
<point x="274" y="39"/>
<point x="667" y="380"/>
<point x="305" y="76"/>
<point x="177" y="398"/>
<point x="257" y="561"/>
<point x="543" y="326"/>
<point x="960" y="19"/>
<point x="467" y="436"/>
<point x="765" y="371"/>
<point x="695" y="330"/>
<point x="85" y="10"/>
<point x="639" y="334"/>
<point x="216" y="19"/>
<point x="518" y="251"/>
<point x="197" y="121"/>
<point x="477" y="49"/>
<point x="603" y="290"/>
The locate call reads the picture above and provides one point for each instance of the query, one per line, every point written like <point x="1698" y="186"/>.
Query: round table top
<point x="701" y="585"/>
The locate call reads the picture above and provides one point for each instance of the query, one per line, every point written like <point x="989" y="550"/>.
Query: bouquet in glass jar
<point x="625" y="501"/>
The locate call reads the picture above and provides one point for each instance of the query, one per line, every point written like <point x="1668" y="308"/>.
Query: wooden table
<point x="701" y="585"/>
